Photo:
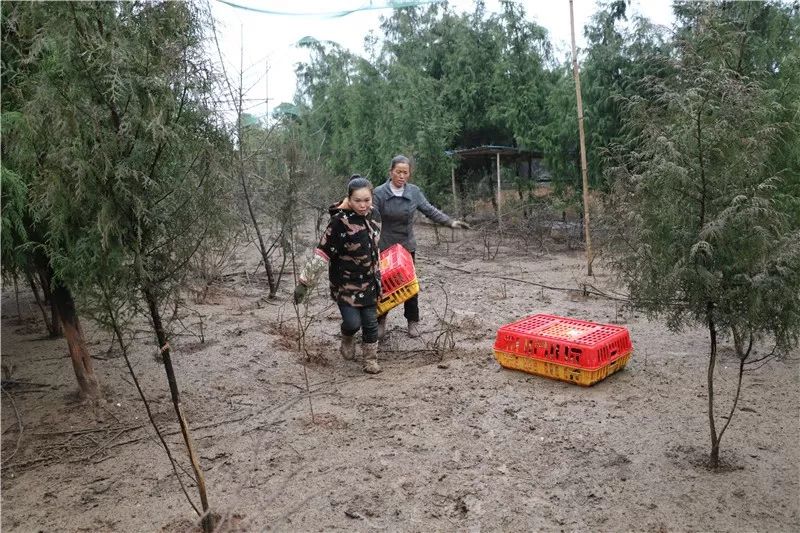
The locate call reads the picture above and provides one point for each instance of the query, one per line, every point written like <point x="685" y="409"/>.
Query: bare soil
<point x="443" y="439"/>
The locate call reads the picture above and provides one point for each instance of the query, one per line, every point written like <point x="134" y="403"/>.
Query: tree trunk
<point x="16" y="299"/>
<point x="47" y="322"/>
<point x="124" y="349"/>
<point x="712" y="361"/>
<point x="273" y="287"/>
<point x="45" y="280"/>
<point x="521" y="193"/>
<point x="743" y="355"/>
<point x="161" y="336"/>
<point x="55" y="322"/>
<point x="78" y="352"/>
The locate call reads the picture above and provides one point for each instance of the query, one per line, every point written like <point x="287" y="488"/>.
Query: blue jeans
<point x="363" y="318"/>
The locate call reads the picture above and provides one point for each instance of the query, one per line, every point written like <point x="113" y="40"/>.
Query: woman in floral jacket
<point x="349" y="248"/>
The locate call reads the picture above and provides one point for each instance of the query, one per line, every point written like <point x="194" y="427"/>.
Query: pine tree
<point x="705" y="227"/>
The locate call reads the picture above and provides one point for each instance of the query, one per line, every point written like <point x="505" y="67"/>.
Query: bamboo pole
<point x="584" y="169"/>
<point x="499" y="185"/>
<point x="266" y="97"/>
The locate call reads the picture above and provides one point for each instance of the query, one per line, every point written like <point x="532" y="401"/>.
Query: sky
<point x="266" y="44"/>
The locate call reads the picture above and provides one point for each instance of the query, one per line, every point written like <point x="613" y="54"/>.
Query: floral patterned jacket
<point x="349" y="247"/>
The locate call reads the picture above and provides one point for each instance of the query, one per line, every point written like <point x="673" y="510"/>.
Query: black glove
<point x="300" y="293"/>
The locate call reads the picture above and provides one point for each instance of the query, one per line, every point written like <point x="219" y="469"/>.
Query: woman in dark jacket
<point x="349" y="248"/>
<point x="398" y="201"/>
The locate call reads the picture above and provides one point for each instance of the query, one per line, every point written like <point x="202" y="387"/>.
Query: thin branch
<point x="754" y="361"/>
<point x="301" y="333"/>
<point x="594" y="291"/>
<point x="222" y="64"/>
<point x="735" y="402"/>
<point x="188" y="258"/>
<point x="124" y="348"/>
<point x="115" y="118"/>
<point x="188" y="169"/>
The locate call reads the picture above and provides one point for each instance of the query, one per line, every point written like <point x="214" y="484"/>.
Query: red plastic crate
<point x="397" y="269"/>
<point x="565" y="341"/>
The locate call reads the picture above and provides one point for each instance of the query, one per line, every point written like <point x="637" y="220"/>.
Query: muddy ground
<point x="443" y="439"/>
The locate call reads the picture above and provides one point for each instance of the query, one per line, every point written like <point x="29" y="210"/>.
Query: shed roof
<point x="491" y="149"/>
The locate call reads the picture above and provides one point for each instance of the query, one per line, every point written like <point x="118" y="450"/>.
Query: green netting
<point x="356" y="6"/>
<point x="307" y="41"/>
<point x="250" y="120"/>
<point x="285" y="108"/>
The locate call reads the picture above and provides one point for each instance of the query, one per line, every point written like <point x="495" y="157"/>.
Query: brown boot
<point x="370" y="350"/>
<point x="348" y="347"/>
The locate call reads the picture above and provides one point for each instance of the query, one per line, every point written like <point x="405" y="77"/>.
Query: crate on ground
<point x="566" y="373"/>
<point x="563" y="348"/>
<point x="398" y="278"/>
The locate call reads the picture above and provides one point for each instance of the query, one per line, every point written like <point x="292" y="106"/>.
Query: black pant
<point x="364" y="318"/>
<point x="411" y="309"/>
<point x="411" y="306"/>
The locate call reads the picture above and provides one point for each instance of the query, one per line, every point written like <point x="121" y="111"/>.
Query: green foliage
<point x="520" y="83"/>
<point x="120" y="147"/>
<point x="617" y="60"/>
<point x="559" y="135"/>
<point x="14" y="234"/>
<point x="705" y="207"/>
<point x="438" y="80"/>
<point x="708" y="224"/>
<point x="22" y="151"/>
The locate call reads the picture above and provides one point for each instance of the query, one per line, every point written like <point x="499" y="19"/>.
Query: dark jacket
<point x="350" y="243"/>
<point x="397" y="214"/>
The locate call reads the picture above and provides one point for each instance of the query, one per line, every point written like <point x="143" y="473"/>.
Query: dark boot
<point x="348" y="347"/>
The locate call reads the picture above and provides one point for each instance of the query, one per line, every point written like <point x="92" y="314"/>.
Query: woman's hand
<point x="344" y="205"/>
<point x="459" y="224"/>
<point x="300" y="293"/>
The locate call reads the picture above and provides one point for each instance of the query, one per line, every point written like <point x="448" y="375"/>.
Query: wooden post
<point x="584" y="169"/>
<point x="499" y="186"/>
<point x="456" y="209"/>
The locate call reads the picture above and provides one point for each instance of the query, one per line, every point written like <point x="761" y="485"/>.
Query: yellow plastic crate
<point x="398" y="296"/>
<point x="561" y="372"/>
